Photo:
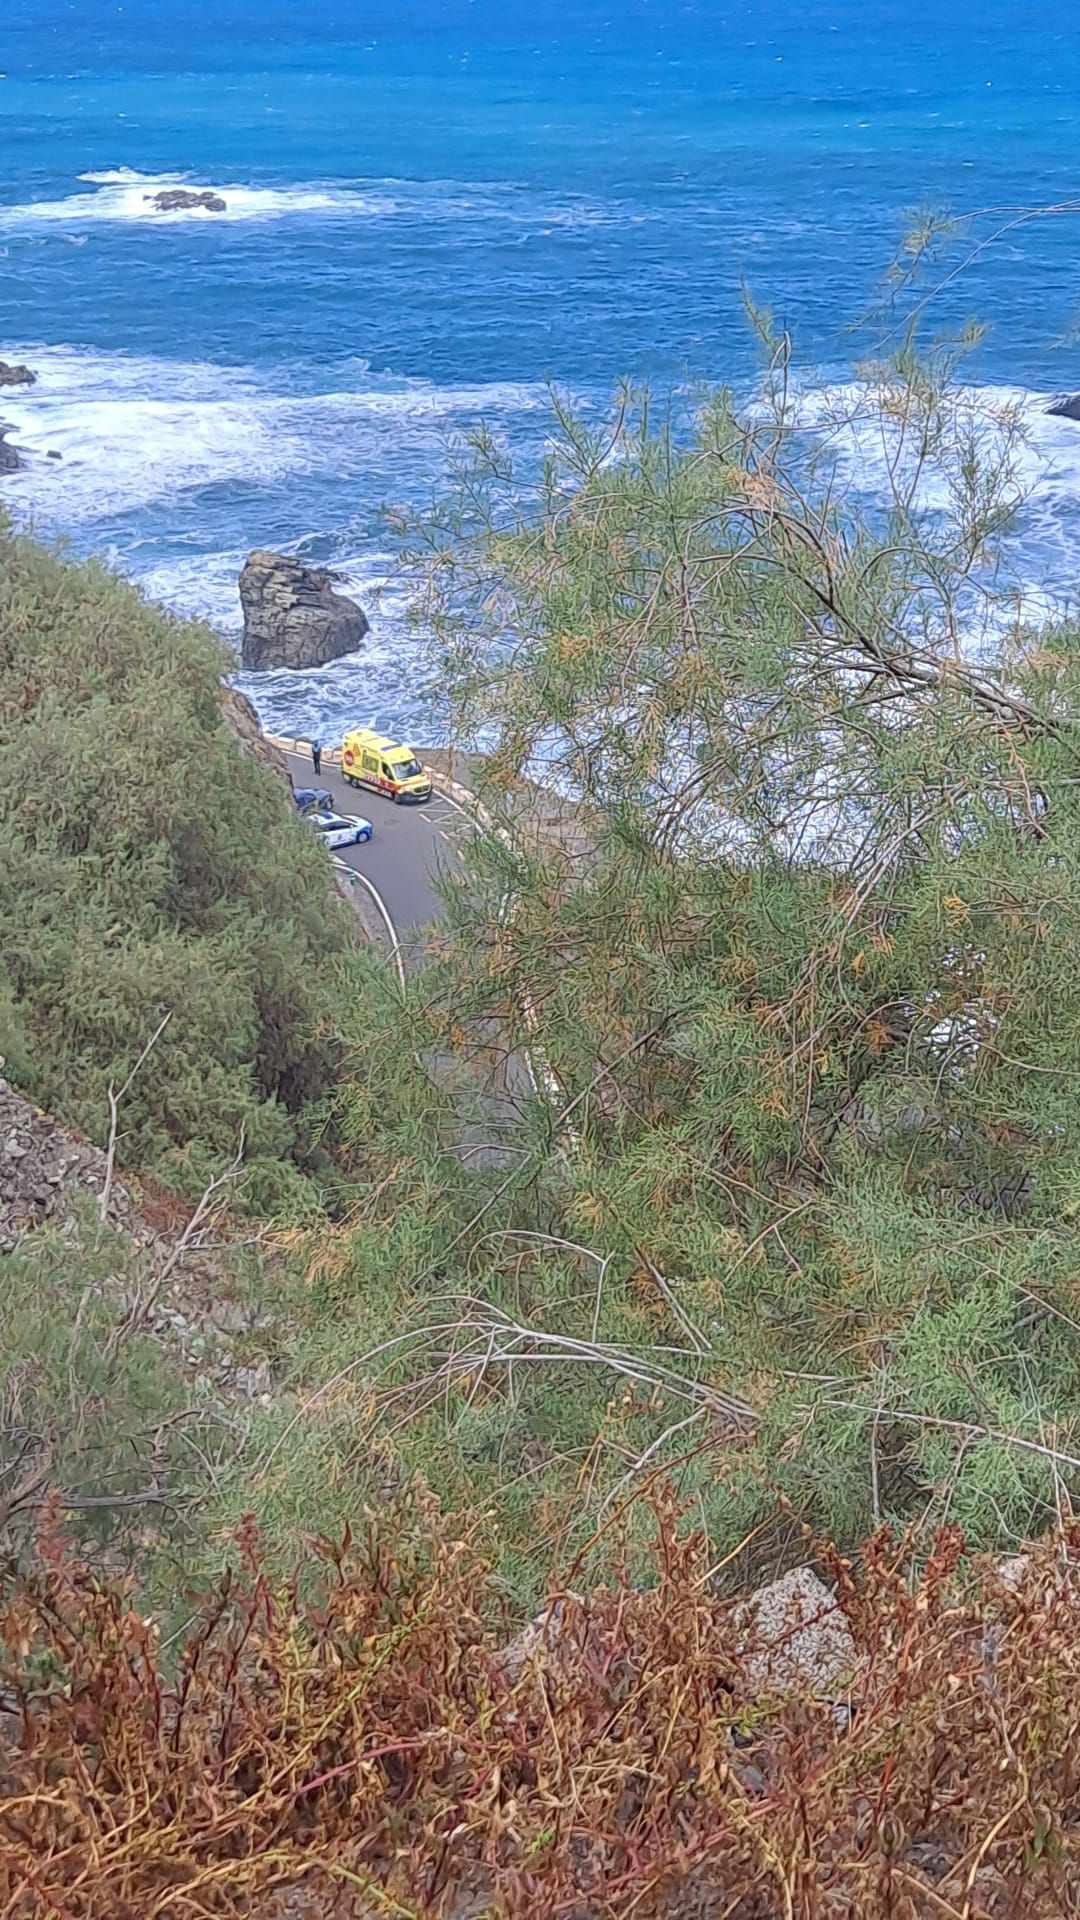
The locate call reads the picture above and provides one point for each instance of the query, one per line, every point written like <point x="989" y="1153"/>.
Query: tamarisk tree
<point x="805" y="963"/>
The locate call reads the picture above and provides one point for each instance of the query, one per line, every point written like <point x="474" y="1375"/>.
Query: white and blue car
<point x="339" y="829"/>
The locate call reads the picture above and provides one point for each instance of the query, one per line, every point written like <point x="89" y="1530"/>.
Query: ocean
<point x="437" y="210"/>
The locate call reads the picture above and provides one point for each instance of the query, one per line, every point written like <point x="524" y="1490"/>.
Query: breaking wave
<point x="121" y="194"/>
<point x="173" y="470"/>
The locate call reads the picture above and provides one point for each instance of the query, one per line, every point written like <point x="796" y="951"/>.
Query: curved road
<point x="408" y="849"/>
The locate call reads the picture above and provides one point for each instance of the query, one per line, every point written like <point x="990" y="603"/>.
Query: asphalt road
<point x="410" y="846"/>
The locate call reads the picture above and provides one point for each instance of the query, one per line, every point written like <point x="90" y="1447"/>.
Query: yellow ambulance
<point x="370" y="760"/>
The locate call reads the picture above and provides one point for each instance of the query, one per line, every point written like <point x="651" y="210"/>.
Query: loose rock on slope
<point x="292" y="615"/>
<point x="41" y="1163"/>
<point x="799" y="1638"/>
<point x="47" y="1173"/>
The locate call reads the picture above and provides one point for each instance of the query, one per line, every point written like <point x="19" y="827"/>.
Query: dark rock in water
<point x="292" y="615"/>
<point x="1067" y="407"/>
<point x="10" y="457"/>
<point x="182" y="199"/>
<point x="53" y="455"/>
<point x="11" y="376"/>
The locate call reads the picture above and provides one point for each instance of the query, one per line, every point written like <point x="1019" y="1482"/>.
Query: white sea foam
<point x="132" y="430"/>
<point x="166" y="467"/>
<point x="205" y="585"/>
<point x="121" y="194"/>
<point x="845" y="410"/>
<point x="388" y="682"/>
<point x="1042" y="452"/>
<point x="173" y="469"/>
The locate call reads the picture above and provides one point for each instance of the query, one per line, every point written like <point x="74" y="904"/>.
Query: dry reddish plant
<point x="375" y="1752"/>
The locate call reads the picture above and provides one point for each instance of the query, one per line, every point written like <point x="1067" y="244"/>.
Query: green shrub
<point x="149" y="866"/>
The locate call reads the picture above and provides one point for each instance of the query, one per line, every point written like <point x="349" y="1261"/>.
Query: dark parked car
<point x="313" y="799"/>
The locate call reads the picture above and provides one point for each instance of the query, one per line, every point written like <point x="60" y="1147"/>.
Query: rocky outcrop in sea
<point x="10" y="458"/>
<point x="186" y="200"/>
<point x="293" y="615"/>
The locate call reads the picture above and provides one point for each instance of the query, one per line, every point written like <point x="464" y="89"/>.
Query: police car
<point x="339" y="829"/>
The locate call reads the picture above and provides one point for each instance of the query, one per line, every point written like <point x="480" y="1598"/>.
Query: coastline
<point x="173" y="472"/>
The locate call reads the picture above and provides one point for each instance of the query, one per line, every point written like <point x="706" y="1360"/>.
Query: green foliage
<point x="810" y="993"/>
<point x="124" y="1405"/>
<point x="89" y="1403"/>
<point x="797" y="947"/>
<point x="150" y="867"/>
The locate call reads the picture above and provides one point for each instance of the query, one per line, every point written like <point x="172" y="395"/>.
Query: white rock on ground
<point x="800" y="1637"/>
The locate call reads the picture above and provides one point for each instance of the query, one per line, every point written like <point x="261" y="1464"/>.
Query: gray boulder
<point x="183" y="199"/>
<point x="292" y="615"/>
<point x="797" y="1637"/>
<point x="1067" y="406"/>
<point x="16" y="376"/>
<point x="10" y="457"/>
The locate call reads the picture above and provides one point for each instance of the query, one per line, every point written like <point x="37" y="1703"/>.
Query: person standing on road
<point x="316" y="756"/>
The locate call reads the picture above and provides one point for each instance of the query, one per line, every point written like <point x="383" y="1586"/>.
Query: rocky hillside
<point x="242" y="720"/>
<point x="44" y="1171"/>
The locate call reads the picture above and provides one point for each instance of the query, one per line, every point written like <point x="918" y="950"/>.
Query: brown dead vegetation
<point x="362" y="1747"/>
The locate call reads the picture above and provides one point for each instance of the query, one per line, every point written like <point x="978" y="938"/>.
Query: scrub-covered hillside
<point x="151" y="870"/>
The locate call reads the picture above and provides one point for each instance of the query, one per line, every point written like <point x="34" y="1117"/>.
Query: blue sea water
<point x="434" y="208"/>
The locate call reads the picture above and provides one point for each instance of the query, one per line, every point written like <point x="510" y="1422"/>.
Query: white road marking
<point x="395" y="944"/>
